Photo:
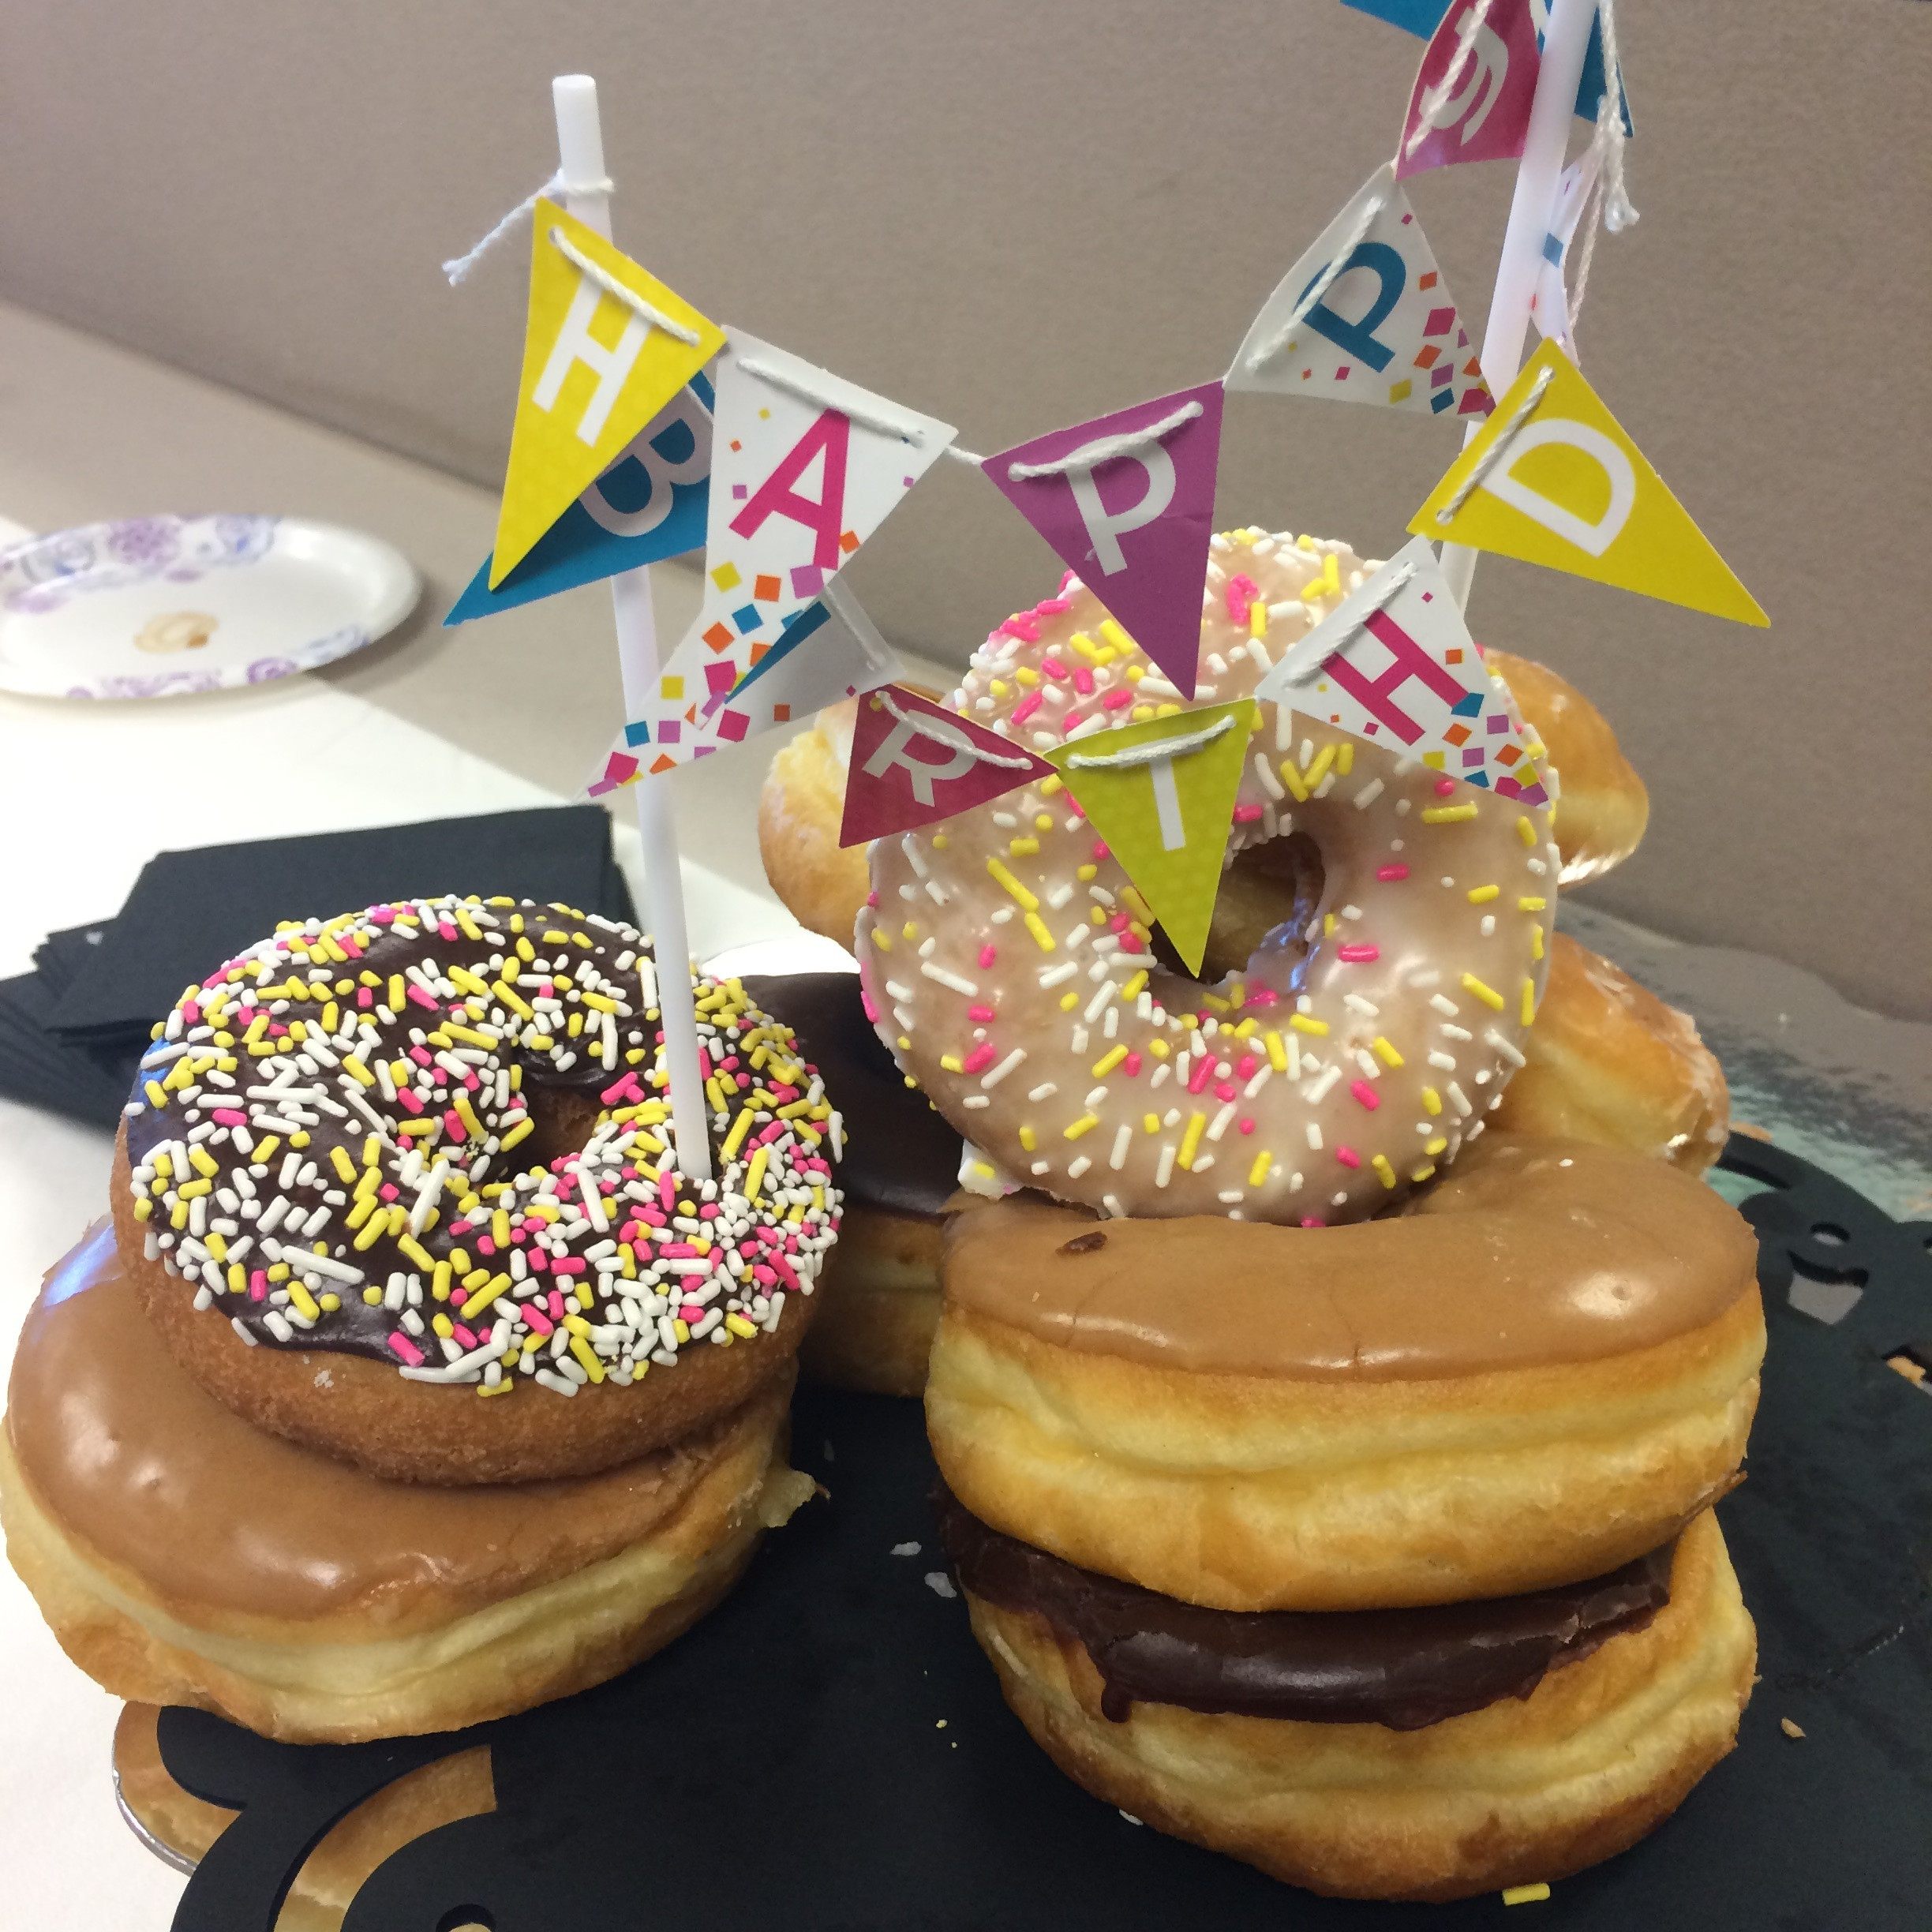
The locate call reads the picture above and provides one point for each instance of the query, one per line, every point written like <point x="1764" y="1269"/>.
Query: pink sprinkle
<point x="1264" y="998"/>
<point x="784" y="1270"/>
<point x="1130" y="944"/>
<point x="453" y="1121"/>
<point x="364" y="997"/>
<point x="762" y="1275"/>
<point x="459" y="1296"/>
<point x="1100" y="849"/>
<point x="867" y="1002"/>
<point x="1444" y="787"/>
<point x="1131" y="1066"/>
<point x="1066" y="577"/>
<point x="420" y="997"/>
<point x="382" y="915"/>
<point x="980" y="1015"/>
<point x="1027" y="706"/>
<point x="981" y="1058"/>
<point x="1348" y="1157"/>
<point x="1115" y="699"/>
<point x="388" y="1191"/>
<point x="230" y="1117"/>
<point x="1070" y="723"/>
<point x="1226" y="1091"/>
<point x="1241" y="593"/>
<point x="1119" y="923"/>
<point x="1313" y="1221"/>
<point x="421" y="1056"/>
<point x="871" y="899"/>
<point x="1388" y="874"/>
<point x="349" y="945"/>
<point x="406" y="1349"/>
<point x="1358" y="955"/>
<point x="258" y="1285"/>
<point x="570" y="1264"/>
<point x="1022" y="625"/>
<point x="486" y="1245"/>
<point x="667" y="1192"/>
<point x="709" y="1211"/>
<point x="1245" y="1067"/>
<point x="1053" y="606"/>
<point x="534" y="1314"/>
<point x="623" y="1089"/>
<point x="1082" y="680"/>
<point x="519" y="1235"/>
<point x="191" y="1013"/>
<point x="704" y="1065"/>
<point x="988" y="954"/>
<point x="1201" y="1075"/>
<point x="410" y="1099"/>
<point x="1246" y="814"/>
<point x="539" y="1261"/>
<point x="554" y="1300"/>
<point x="691" y="1312"/>
<point x="1054" y="669"/>
<point x="446" y="928"/>
<point x="466" y="1336"/>
<point x="677" y="1251"/>
<point x="1366" y="1094"/>
<point x="1246" y="1126"/>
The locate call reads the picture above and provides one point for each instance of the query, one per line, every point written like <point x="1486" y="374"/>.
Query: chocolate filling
<point x="1402" y="1669"/>
<point x="900" y="1155"/>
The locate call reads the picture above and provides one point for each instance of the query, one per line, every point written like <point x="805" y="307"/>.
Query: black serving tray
<point x="828" y="1751"/>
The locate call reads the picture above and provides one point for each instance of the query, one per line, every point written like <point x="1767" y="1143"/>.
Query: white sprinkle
<point x="939" y="1583"/>
<point x="1077" y="1168"/>
<point x="1442" y="1004"/>
<point x="1318" y="1091"/>
<point x="1445" y="1061"/>
<point x="995" y="1075"/>
<point x="968" y="988"/>
<point x="1164" y="1172"/>
<point x="905" y="1549"/>
<point x="1218" y="1125"/>
<point x="1045" y="1091"/>
<point x="1369" y="794"/>
<point x="1123" y="1139"/>
<point x="1506" y="1046"/>
<point x="1314" y="1137"/>
<point x="1459" y="1101"/>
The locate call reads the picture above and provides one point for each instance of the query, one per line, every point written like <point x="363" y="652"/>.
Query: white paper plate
<point x="158" y="607"/>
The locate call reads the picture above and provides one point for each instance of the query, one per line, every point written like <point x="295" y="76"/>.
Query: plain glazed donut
<point x="378" y="1167"/>
<point x="1544" y="1367"/>
<point x="1336" y="1052"/>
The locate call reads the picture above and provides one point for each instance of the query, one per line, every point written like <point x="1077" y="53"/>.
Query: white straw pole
<point x="580" y="149"/>
<point x="1558" y="77"/>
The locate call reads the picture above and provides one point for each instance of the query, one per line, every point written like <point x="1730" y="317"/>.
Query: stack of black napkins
<point x="72" y="1030"/>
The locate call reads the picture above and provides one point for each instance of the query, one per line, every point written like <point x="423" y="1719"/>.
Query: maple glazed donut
<point x="380" y="1166"/>
<point x="1318" y="1069"/>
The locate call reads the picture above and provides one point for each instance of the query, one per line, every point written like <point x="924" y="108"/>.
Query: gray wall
<point x="1013" y="214"/>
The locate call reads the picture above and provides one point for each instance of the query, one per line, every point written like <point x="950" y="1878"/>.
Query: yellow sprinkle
<point x="1530" y="902"/>
<point x="1257" y="619"/>
<point x="442" y="1326"/>
<point x="1190" y="1139"/>
<point x="412" y="1248"/>
<point x="575" y="1026"/>
<point x="371" y="1232"/>
<point x="735" y="1139"/>
<point x="1386" y="1053"/>
<point x="500" y="1228"/>
<point x="1159" y="1049"/>
<point x="264" y="1150"/>
<point x="1132" y="989"/>
<point x="1210" y="999"/>
<point x="1023" y="848"/>
<point x="372" y="1296"/>
<point x="303" y="1301"/>
<point x="371" y="1149"/>
<point x="155" y="1096"/>
<point x="340" y="1160"/>
<point x="1525" y="830"/>
<point x="525" y="951"/>
<point x="1012" y="886"/>
<point x="1086" y="873"/>
<point x="1420" y="1175"/>
<point x="200" y="1159"/>
<point x="440" y="1281"/>
<point x="1481" y="895"/>
<point x="1447" y="815"/>
<point x="1319" y="770"/>
<point x="142" y="1208"/>
<point x="754" y="1174"/>
<point x="1028" y="1140"/>
<point x="909" y="930"/>
<point x="398" y="993"/>
<point x="1525" y="1894"/>
<point x="525" y="1126"/>
<point x="741" y="1327"/>
<point x="1307" y="1023"/>
<point x="1488" y="995"/>
<point x="217" y="1245"/>
<point x="1345" y="757"/>
<point x="362" y="1073"/>
<point x="1084" y="1125"/>
<point x="1431" y="1101"/>
<point x="1258" y="1172"/>
<point x="466" y="1114"/>
<point x="1387" y="1173"/>
<point x="1109" y="1061"/>
<point x="1529" y="1002"/>
<point x="1292" y="779"/>
<point x="481" y="1298"/>
<point x="681" y="1329"/>
<point x="1037" y="926"/>
<point x="1117" y="637"/>
<point x="1435" y="1145"/>
<point x="1536" y="942"/>
<point x="1277" y="1053"/>
<point x="950" y="1063"/>
<point x="1026" y="675"/>
<point x="190" y="1189"/>
<point x="941" y="841"/>
<point x="511" y="999"/>
<point x="587" y="1356"/>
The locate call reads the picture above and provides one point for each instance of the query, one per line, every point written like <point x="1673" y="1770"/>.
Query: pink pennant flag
<point x="1472" y="94"/>
<point x="913" y="762"/>
<point x="1127" y="501"/>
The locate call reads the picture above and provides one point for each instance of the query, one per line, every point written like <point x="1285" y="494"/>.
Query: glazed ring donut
<point x="1340" y="1044"/>
<point x="1541" y="1370"/>
<point x="378" y="1166"/>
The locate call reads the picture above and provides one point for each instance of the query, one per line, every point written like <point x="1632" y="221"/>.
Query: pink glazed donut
<point x="1339" y="1050"/>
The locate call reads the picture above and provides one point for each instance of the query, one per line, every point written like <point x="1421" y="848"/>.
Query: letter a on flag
<point x="1484" y="115"/>
<point x="913" y="762"/>
<point x="1127" y="500"/>
<point x="1394" y="664"/>
<point x="1161" y="795"/>
<point x="1384" y="329"/>
<point x="1552" y="479"/>
<point x="597" y="369"/>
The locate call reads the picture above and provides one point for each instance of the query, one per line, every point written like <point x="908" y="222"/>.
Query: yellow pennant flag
<point x="1554" y="480"/>
<point x="1161" y="795"/>
<point x="606" y="347"/>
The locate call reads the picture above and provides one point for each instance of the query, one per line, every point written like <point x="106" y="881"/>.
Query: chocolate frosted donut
<point x="382" y="1165"/>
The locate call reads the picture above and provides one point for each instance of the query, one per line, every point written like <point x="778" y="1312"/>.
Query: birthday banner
<point x="805" y="467"/>
<point x="1161" y="795"/>
<point x="1127" y="502"/>
<point x="1394" y="664"/>
<point x="1484" y="114"/>
<point x="1384" y="329"/>
<point x="598" y="365"/>
<point x="650" y="504"/>
<point x="1549" y="301"/>
<point x="1552" y="479"/>
<point x="913" y="762"/>
<point x="694" y="710"/>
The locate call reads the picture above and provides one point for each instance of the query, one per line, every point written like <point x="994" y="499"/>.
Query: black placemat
<point x="828" y="1751"/>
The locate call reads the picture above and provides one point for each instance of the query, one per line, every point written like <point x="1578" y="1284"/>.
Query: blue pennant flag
<point x="1422" y="17"/>
<point x="650" y="504"/>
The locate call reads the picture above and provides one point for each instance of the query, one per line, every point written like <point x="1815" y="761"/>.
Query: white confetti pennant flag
<point x="1549" y="301"/>
<point x="1365" y="316"/>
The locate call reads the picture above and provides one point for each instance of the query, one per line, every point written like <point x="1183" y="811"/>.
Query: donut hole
<point x="1261" y="913"/>
<point x="561" y="1119"/>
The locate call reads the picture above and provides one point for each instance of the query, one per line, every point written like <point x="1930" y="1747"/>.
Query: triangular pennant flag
<point x="1127" y="500"/>
<point x="1549" y="298"/>
<point x="694" y="708"/>
<point x="913" y="762"/>
<point x="1484" y="114"/>
<point x="598" y="366"/>
<point x="1394" y="664"/>
<point x="1161" y="795"/>
<point x="1382" y="327"/>
<point x="1553" y="478"/>
<point x="650" y="504"/>
<point x="807" y="467"/>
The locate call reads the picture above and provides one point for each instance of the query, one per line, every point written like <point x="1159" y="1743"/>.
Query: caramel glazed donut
<point x="1241" y="1498"/>
<point x="352" y="1425"/>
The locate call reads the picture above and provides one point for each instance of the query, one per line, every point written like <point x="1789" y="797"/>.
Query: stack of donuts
<point x="1339" y="1356"/>
<point x="411" y="1382"/>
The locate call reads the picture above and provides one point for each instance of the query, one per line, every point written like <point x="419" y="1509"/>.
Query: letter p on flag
<point x="597" y="369"/>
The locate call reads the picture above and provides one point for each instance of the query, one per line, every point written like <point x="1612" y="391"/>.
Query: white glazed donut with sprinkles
<point x="323" y="1141"/>
<point x="1007" y="959"/>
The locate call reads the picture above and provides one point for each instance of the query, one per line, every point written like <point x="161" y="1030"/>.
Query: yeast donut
<point x="1339" y="1047"/>
<point x="380" y="1166"/>
<point x="1543" y="1368"/>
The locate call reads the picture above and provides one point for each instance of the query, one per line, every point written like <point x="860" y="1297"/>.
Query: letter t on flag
<point x="1127" y="501"/>
<point x="912" y="761"/>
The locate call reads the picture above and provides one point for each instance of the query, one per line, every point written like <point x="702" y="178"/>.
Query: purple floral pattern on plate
<point x="42" y="573"/>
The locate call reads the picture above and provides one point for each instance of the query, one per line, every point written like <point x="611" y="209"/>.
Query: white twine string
<point x="1319" y="287"/>
<point x="458" y="269"/>
<point x="1091" y="456"/>
<point x="1306" y="657"/>
<point x="807" y="392"/>
<point x="594" y="271"/>
<point x="1618" y="213"/>
<point x="1181" y="742"/>
<point x="1493" y="454"/>
<point x="1438" y="97"/>
<point x="926" y="727"/>
<point x="962" y="455"/>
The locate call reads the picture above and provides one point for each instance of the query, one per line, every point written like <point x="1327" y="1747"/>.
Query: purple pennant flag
<point x="1127" y="500"/>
